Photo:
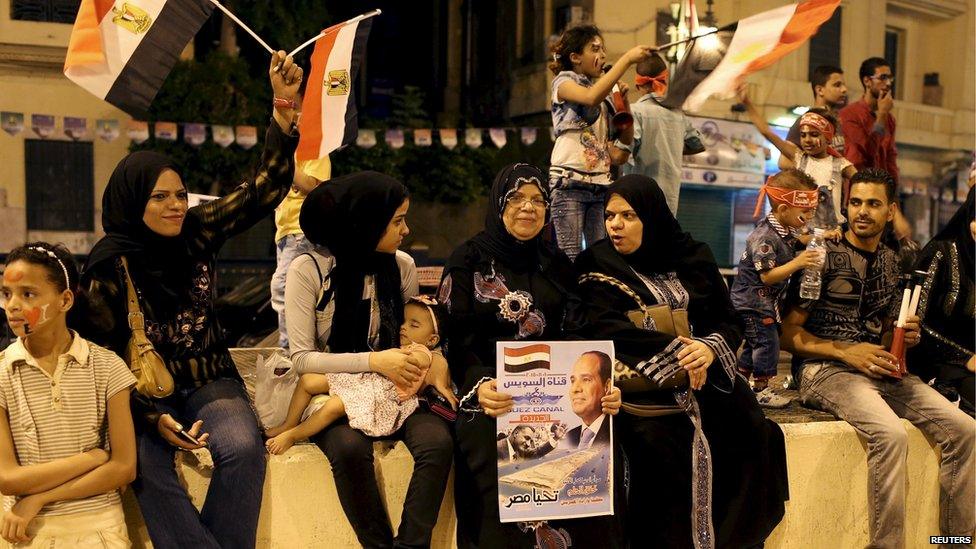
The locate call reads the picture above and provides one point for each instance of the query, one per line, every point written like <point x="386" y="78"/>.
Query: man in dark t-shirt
<point x="847" y="371"/>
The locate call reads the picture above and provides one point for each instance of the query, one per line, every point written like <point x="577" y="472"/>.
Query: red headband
<point x="790" y="197"/>
<point x="659" y="83"/>
<point x="822" y="125"/>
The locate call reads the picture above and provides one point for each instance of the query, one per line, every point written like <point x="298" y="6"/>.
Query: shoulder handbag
<point x="152" y="377"/>
<point x="660" y="318"/>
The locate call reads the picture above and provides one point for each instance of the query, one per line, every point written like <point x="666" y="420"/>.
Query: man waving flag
<point x="122" y="50"/>
<point x="329" y="108"/>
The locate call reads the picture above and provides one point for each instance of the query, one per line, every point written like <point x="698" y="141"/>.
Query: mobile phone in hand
<point x="190" y="438"/>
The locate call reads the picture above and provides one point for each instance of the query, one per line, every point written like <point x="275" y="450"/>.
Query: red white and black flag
<point x="527" y="358"/>
<point x="715" y="64"/>
<point x="122" y="51"/>
<point x="329" y="107"/>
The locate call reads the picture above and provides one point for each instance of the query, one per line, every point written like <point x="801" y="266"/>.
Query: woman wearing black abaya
<point x="714" y="474"/>
<point x="344" y="307"/>
<point x="171" y="252"/>
<point x="504" y="285"/>
<point x="948" y="309"/>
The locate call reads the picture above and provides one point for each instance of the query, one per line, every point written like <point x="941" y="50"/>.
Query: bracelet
<point x="622" y="146"/>
<point x="285" y="103"/>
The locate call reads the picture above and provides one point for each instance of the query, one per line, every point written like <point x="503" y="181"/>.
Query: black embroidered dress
<point x="714" y="476"/>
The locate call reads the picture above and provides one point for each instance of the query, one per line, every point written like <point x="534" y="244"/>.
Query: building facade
<point x="488" y="67"/>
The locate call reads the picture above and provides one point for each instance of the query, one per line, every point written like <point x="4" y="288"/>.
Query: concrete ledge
<point x="828" y="489"/>
<point x="827" y="465"/>
<point x="301" y="507"/>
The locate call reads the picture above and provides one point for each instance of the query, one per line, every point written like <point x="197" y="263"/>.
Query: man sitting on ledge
<point x="842" y="337"/>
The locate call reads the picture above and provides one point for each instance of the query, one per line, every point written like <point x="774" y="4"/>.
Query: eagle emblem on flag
<point x="132" y="18"/>
<point x="338" y="82"/>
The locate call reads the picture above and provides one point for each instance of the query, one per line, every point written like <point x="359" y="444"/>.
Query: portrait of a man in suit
<point x="588" y="384"/>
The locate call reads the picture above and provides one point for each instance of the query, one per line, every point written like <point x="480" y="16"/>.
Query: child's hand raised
<point x="637" y="54"/>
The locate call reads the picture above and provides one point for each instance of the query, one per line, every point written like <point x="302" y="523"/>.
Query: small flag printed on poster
<point x="529" y="135"/>
<point x="138" y="131"/>
<point x="43" y="125"/>
<point x="448" y="137"/>
<point x="12" y="122"/>
<point x="498" y="137"/>
<point x="247" y="136"/>
<point x="107" y="129"/>
<point x="423" y="138"/>
<point x="366" y="139"/>
<point x="394" y="138"/>
<point x="223" y="135"/>
<point x="123" y="51"/>
<point x="472" y="137"/>
<point x="165" y="131"/>
<point x="194" y="134"/>
<point x="75" y="128"/>
<point x="530" y="357"/>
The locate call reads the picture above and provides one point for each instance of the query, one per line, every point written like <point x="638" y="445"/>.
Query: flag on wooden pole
<point x="716" y="63"/>
<point x="122" y="51"/>
<point x="328" y="118"/>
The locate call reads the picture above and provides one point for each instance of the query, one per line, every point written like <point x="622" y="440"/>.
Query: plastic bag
<point x="274" y="384"/>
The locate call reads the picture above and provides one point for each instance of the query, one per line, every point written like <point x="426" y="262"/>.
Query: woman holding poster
<point x="504" y="285"/>
<point x="713" y="474"/>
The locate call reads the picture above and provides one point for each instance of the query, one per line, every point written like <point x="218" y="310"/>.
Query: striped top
<point x="57" y="416"/>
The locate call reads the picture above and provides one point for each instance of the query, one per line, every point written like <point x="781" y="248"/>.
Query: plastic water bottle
<point x="810" y="286"/>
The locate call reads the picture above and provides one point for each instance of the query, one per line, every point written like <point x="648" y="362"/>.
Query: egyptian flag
<point x="715" y="64"/>
<point x="527" y="358"/>
<point x="328" y="118"/>
<point x="122" y="51"/>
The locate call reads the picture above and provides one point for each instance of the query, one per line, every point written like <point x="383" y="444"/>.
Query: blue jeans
<point x="760" y="354"/>
<point x="287" y="249"/>
<point x="229" y="517"/>
<point x="873" y="407"/>
<point x="577" y="214"/>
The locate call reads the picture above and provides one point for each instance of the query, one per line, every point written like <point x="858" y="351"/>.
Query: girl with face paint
<point x="67" y="442"/>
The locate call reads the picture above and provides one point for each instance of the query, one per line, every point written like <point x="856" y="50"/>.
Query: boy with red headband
<point x="815" y="157"/>
<point x="764" y="272"/>
<point x="661" y="135"/>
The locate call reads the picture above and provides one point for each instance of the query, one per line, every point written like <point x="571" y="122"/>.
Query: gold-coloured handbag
<point x="153" y="379"/>
<point x="660" y="318"/>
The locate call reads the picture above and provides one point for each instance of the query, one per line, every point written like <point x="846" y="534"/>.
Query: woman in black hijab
<point x="502" y="285"/>
<point x="171" y="252"/>
<point x="948" y="309"/>
<point x="714" y="473"/>
<point x="355" y="273"/>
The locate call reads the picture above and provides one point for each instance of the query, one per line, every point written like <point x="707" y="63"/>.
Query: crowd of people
<point x="698" y="464"/>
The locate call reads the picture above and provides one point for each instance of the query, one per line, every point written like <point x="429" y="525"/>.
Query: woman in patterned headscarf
<point x="501" y="285"/>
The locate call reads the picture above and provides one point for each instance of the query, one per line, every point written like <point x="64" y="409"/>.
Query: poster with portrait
<point x="555" y="448"/>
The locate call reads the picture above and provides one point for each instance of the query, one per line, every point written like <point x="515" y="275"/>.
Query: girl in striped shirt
<point x="67" y="443"/>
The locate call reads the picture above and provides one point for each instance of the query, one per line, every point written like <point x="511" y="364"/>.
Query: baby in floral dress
<point x="372" y="403"/>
